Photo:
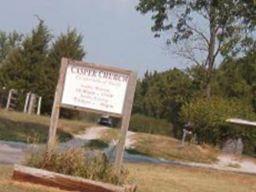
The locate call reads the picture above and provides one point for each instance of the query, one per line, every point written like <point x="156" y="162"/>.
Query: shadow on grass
<point x="135" y="152"/>
<point x="96" y="144"/>
<point x="27" y="132"/>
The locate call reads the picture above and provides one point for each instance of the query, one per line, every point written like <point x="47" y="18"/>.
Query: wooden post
<point x="31" y="103"/>
<point x="56" y="105"/>
<point x="25" y="110"/>
<point x="125" y="121"/>
<point x="183" y="137"/>
<point x="9" y="99"/>
<point x="39" y="105"/>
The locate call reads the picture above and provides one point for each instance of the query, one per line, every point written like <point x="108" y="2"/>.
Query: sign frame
<point x="126" y="108"/>
<point x="97" y="67"/>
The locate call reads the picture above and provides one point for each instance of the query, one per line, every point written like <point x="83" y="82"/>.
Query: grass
<point x="15" y="126"/>
<point x="170" y="148"/>
<point x="110" y="134"/>
<point x="77" y="162"/>
<point x="22" y="127"/>
<point x="163" y="178"/>
<point x="96" y="144"/>
<point x="159" y="146"/>
<point x="157" y="178"/>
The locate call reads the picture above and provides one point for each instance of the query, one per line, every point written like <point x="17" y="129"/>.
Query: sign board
<point x="96" y="88"/>
<point x="93" y="88"/>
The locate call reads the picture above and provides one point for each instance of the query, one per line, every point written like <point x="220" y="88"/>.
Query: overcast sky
<point x="114" y="32"/>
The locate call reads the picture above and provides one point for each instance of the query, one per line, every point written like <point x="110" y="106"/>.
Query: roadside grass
<point x="16" y="126"/>
<point x="96" y="144"/>
<point x="77" y="162"/>
<point x="166" y="178"/>
<point x="110" y="134"/>
<point x="157" y="178"/>
<point x="169" y="148"/>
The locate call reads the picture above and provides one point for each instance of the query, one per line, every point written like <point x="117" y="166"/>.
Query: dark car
<point x="105" y="120"/>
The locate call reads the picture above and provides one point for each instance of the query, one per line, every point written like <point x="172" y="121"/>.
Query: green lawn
<point x="22" y="127"/>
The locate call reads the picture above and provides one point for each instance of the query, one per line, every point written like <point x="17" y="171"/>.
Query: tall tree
<point x="24" y="67"/>
<point x="8" y="41"/>
<point x="70" y="45"/>
<point x="160" y="95"/>
<point x="212" y="28"/>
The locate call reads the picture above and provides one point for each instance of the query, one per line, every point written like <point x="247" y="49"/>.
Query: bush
<point x="208" y="118"/>
<point x="142" y="123"/>
<point x="75" y="162"/>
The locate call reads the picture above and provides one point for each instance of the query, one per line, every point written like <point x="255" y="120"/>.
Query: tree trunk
<point x="208" y="90"/>
<point x="210" y="59"/>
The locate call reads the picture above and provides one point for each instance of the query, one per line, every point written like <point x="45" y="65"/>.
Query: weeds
<point x="77" y="162"/>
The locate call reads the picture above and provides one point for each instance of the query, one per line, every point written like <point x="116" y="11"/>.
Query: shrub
<point x="142" y="123"/>
<point x="77" y="162"/>
<point x="208" y="118"/>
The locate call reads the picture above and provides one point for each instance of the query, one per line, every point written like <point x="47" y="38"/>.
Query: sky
<point x="114" y="32"/>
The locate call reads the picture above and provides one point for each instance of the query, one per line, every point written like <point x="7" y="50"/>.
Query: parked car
<point x="105" y="120"/>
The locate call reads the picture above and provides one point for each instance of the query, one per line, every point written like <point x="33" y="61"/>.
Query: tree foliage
<point x="67" y="45"/>
<point x="226" y="27"/>
<point x="177" y="96"/>
<point x="161" y="94"/>
<point x="8" y="42"/>
<point x="209" y="120"/>
<point x="24" y="68"/>
<point x="34" y="64"/>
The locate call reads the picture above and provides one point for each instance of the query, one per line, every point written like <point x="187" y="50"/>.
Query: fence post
<point x="26" y="102"/>
<point x="39" y="105"/>
<point x="9" y="99"/>
<point x="31" y="104"/>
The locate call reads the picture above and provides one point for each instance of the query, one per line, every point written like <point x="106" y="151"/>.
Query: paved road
<point x="12" y="152"/>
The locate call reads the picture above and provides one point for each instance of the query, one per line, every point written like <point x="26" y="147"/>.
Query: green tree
<point x="160" y="95"/>
<point x="8" y="42"/>
<point x="226" y="27"/>
<point x="24" y="68"/>
<point x="231" y="81"/>
<point x="34" y="65"/>
<point x="237" y="78"/>
<point x="209" y="120"/>
<point x="69" y="45"/>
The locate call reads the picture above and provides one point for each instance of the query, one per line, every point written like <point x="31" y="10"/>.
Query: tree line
<point x="216" y="37"/>
<point x="179" y="96"/>
<point x="31" y="62"/>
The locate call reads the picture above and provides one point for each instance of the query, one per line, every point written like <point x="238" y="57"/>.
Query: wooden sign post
<point x="94" y="88"/>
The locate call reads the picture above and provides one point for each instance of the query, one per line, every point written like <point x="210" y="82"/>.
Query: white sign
<point x="93" y="88"/>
